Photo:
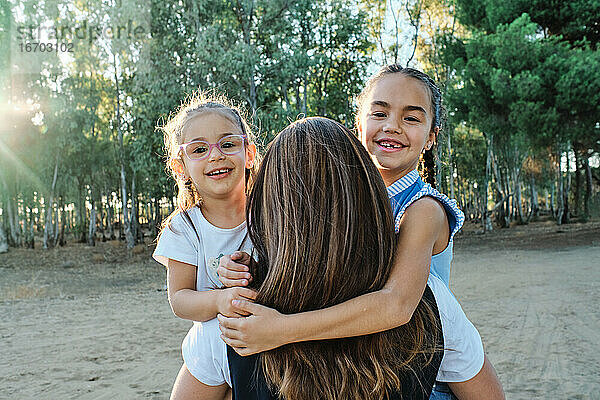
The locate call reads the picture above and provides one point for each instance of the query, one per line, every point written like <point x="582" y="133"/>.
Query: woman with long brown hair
<point x="322" y="227"/>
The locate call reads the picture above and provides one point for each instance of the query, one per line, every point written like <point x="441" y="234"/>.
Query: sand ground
<point x="92" y="323"/>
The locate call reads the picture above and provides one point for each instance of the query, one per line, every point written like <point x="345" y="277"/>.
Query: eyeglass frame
<point x="213" y="145"/>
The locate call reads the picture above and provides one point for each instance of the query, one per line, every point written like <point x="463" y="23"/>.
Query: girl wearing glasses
<point x="213" y="160"/>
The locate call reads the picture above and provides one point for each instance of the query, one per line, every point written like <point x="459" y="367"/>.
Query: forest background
<point x="83" y="86"/>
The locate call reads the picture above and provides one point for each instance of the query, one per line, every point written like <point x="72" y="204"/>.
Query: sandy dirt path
<point x="537" y="314"/>
<point x="78" y="323"/>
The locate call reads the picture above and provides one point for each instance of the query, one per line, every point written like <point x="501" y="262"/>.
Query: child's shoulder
<point x="185" y="222"/>
<point x="425" y="208"/>
<point x="428" y="201"/>
<point x="183" y="216"/>
<point x="178" y="240"/>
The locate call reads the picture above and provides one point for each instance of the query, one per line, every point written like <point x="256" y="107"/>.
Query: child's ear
<point x="432" y="138"/>
<point x="250" y="155"/>
<point x="178" y="167"/>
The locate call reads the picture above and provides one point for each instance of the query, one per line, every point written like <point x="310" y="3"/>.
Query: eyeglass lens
<point x="228" y="145"/>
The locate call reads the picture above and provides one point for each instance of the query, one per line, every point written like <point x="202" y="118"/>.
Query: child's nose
<point x="392" y="126"/>
<point x="215" y="154"/>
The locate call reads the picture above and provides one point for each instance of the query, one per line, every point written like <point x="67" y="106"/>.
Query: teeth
<point x="390" y="145"/>
<point x="218" y="172"/>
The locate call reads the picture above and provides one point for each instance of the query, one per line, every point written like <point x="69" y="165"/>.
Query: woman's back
<point x="321" y="223"/>
<point x="249" y="383"/>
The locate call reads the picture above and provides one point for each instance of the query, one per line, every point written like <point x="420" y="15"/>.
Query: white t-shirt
<point x="463" y="350"/>
<point x="462" y="359"/>
<point x="181" y="243"/>
<point x="203" y="350"/>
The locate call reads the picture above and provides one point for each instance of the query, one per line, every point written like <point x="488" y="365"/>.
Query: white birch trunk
<point x="91" y="239"/>
<point x="48" y="227"/>
<point x="559" y="187"/>
<point x="3" y="241"/>
<point x="485" y="215"/>
<point x="588" y="186"/>
<point x="126" y="222"/>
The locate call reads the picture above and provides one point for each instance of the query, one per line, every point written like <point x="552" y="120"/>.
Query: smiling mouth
<point x="218" y="172"/>
<point x="388" y="144"/>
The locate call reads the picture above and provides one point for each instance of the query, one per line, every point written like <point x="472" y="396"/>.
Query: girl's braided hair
<point x="439" y="113"/>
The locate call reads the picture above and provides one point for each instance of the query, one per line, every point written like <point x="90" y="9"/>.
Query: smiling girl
<point x="398" y="120"/>
<point x="212" y="158"/>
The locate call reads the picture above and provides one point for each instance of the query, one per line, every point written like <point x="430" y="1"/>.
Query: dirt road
<point x="82" y="323"/>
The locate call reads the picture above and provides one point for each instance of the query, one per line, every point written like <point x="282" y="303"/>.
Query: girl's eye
<point x="378" y="114"/>
<point x="227" y="145"/>
<point x="200" y="149"/>
<point x="412" y="119"/>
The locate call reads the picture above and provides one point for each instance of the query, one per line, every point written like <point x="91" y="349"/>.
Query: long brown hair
<point x="321" y="223"/>
<point x="195" y="104"/>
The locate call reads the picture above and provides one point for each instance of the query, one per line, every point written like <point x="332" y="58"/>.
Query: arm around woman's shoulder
<point x="421" y="227"/>
<point x="373" y="312"/>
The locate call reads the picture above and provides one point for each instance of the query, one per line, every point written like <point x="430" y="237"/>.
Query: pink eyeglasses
<point x="201" y="149"/>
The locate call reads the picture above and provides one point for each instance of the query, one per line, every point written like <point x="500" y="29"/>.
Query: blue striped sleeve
<point x="456" y="217"/>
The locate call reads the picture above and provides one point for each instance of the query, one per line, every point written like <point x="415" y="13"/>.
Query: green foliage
<point x="527" y="77"/>
<point x="469" y="151"/>
<point x="574" y="20"/>
<point x="279" y="59"/>
<point x="521" y="76"/>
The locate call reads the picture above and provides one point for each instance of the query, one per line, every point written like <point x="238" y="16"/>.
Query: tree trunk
<point x="48" y="227"/>
<point x="101" y="218"/>
<point x="578" y="182"/>
<point x="502" y="192"/>
<point x="588" y="185"/>
<point x="110" y="220"/>
<point x="55" y="229"/>
<point x="471" y="202"/>
<point x="60" y="238"/>
<point x="567" y="189"/>
<point x="135" y="222"/>
<point x="559" y="187"/>
<point x="126" y="223"/>
<point x="3" y="240"/>
<point x="298" y="98"/>
<point x="534" y="199"/>
<point x="486" y="221"/>
<point x="286" y="102"/>
<point x="28" y="228"/>
<point x="511" y="198"/>
<point x="91" y="237"/>
<point x="14" y="237"/>
<point x="518" y="198"/>
<point x="553" y="209"/>
<point x="499" y="217"/>
<point x="81" y="216"/>
<point x="156" y="219"/>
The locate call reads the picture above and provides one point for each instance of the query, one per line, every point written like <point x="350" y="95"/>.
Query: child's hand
<point x="233" y="269"/>
<point x="263" y="330"/>
<point x="228" y="295"/>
